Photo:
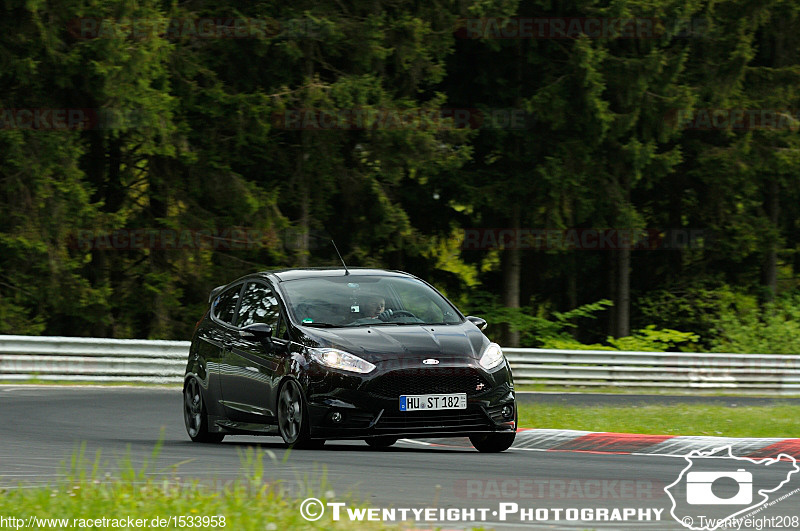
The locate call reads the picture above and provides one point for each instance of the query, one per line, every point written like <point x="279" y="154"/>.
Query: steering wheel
<point x="386" y="315"/>
<point x="403" y="313"/>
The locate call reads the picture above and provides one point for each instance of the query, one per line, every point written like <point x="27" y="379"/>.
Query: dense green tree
<point x="239" y="136"/>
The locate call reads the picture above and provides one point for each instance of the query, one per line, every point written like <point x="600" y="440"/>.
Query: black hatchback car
<point x="316" y="354"/>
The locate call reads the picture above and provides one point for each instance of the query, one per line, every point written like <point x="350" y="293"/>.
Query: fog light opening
<point x="336" y="417"/>
<point x="507" y="412"/>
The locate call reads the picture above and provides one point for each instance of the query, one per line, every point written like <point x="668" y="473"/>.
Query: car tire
<point x="195" y="416"/>
<point x="492" y="442"/>
<point x="495" y="442"/>
<point x="293" y="422"/>
<point x="381" y="442"/>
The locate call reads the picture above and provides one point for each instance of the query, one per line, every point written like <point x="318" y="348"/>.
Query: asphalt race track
<point x="43" y="426"/>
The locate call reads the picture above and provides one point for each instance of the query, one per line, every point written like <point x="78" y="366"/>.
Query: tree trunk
<point x="572" y="291"/>
<point x="103" y="167"/>
<point x="675" y="256"/>
<point x="157" y="325"/>
<point x="572" y="282"/>
<point x="612" y="277"/>
<point x="623" y="299"/>
<point x="512" y="272"/>
<point x="622" y="260"/>
<point x="305" y="203"/>
<point x="304" y="188"/>
<point x="96" y="171"/>
<point x="769" y="273"/>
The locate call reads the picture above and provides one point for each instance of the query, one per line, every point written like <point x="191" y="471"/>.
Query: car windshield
<point x="366" y="301"/>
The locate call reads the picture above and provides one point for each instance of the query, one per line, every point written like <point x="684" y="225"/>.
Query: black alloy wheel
<point x="194" y="415"/>
<point x="292" y="418"/>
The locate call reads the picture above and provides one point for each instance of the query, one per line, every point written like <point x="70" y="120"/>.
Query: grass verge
<point x="618" y="390"/>
<point x="684" y="419"/>
<point x="86" y="496"/>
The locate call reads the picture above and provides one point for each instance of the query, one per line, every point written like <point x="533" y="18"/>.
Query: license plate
<point x="432" y="402"/>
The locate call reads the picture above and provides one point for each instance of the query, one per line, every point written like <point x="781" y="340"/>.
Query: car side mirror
<point x="256" y="331"/>
<point x="477" y="321"/>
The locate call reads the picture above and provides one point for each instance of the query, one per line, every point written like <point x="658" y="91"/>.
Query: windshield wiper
<point x="320" y="325"/>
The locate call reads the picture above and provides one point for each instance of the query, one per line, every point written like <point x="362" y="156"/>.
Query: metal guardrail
<point x="133" y="360"/>
<point x="682" y="370"/>
<point x="92" y="359"/>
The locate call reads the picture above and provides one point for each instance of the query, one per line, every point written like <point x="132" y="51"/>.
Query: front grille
<point x="429" y="381"/>
<point x="432" y="421"/>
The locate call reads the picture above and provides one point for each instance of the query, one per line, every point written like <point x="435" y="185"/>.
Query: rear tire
<point x="195" y="416"/>
<point x="381" y="442"/>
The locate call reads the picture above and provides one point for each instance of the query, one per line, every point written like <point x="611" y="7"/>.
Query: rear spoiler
<point x="215" y="292"/>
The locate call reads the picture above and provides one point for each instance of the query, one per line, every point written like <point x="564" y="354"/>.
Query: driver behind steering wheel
<point x="376" y="309"/>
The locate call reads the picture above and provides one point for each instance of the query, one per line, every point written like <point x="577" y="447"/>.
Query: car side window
<point x="259" y="305"/>
<point x="225" y="305"/>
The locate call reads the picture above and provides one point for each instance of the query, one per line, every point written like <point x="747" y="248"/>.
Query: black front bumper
<point x="370" y="407"/>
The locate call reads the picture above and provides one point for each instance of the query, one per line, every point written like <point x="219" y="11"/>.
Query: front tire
<point x="495" y="442"/>
<point x="195" y="416"/>
<point x="492" y="442"/>
<point x="293" y="422"/>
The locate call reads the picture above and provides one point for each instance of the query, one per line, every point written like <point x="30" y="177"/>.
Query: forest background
<point x="619" y="173"/>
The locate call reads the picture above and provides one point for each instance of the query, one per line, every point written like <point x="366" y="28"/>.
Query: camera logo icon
<point x="700" y="491"/>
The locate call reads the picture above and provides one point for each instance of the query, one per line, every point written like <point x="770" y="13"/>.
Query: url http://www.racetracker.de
<point x="128" y="522"/>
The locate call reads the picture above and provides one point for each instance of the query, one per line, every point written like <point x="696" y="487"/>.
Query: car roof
<point x="282" y="275"/>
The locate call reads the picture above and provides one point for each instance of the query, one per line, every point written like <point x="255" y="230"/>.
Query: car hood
<point x="381" y="343"/>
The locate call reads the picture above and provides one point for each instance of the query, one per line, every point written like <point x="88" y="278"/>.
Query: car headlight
<point x="339" y="359"/>
<point x="492" y="356"/>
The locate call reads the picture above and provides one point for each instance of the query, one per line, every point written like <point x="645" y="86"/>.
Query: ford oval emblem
<point x="430" y="361"/>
